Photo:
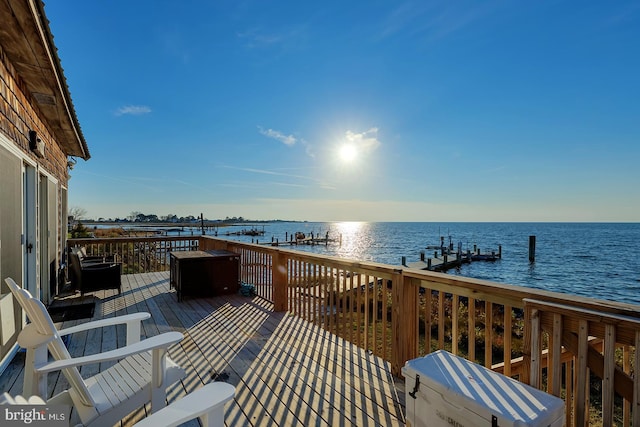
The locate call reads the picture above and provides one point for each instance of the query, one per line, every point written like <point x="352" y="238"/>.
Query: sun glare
<point x="348" y="153"/>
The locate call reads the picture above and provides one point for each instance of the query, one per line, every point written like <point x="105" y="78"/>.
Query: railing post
<point x="525" y="377"/>
<point x="204" y="244"/>
<point x="280" y="281"/>
<point x="404" y="321"/>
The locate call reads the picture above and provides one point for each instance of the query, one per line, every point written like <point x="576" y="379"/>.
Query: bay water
<point x="599" y="260"/>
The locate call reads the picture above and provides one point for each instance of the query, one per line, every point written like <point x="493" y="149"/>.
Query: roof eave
<point x="28" y="43"/>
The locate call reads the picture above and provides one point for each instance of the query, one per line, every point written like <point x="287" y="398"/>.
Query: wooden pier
<point x="295" y="239"/>
<point x="246" y="232"/>
<point x="449" y="259"/>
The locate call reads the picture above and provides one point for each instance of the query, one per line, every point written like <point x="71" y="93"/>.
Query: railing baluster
<point x="296" y="286"/>
<point x="609" y="370"/>
<point x="582" y="374"/>
<point x="472" y="329"/>
<point x="332" y="277"/>
<point x="507" y="339"/>
<point x="384" y="320"/>
<point x="488" y="334"/>
<point x="534" y="323"/>
<point x="636" y="382"/>
<point x="374" y="320"/>
<point x="359" y="339"/>
<point x="367" y="316"/>
<point x="441" y="322"/>
<point x="626" y="367"/>
<point x="428" y="320"/>
<point x="555" y="348"/>
<point x="454" y="324"/>
<point x="570" y="387"/>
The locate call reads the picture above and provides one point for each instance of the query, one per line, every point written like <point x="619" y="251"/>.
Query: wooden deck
<point x="285" y="370"/>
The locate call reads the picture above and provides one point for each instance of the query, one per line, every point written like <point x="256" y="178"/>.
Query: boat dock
<point x="449" y="259"/>
<point x="299" y="238"/>
<point x="246" y="232"/>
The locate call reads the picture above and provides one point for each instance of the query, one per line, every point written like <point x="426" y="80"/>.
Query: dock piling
<point x="532" y="248"/>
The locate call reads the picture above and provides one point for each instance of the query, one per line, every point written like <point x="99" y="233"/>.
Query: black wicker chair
<point x="93" y="274"/>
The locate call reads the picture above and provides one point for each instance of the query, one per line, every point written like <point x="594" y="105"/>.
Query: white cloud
<point x="287" y="38"/>
<point x="134" y="110"/>
<point x="432" y="20"/>
<point x="308" y="148"/>
<point x="255" y="38"/>
<point x="366" y="141"/>
<point x="279" y="136"/>
<point x="270" y="172"/>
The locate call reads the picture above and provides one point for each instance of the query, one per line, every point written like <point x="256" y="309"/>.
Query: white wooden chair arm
<point x="30" y="338"/>
<point x="157" y="342"/>
<point x="132" y="321"/>
<point x="206" y="402"/>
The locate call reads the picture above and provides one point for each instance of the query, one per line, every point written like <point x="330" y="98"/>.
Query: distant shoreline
<point x="194" y="224"/>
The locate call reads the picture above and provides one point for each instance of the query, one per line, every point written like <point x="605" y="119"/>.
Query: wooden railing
<point x="400" y="314"/>
<point x="138" y="254"/>
<point x="600" y="345"/>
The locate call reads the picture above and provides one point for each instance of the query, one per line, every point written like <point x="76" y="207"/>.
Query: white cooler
<point x="449" y="391"/>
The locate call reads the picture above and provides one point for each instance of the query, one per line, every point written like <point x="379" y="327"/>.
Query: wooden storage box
<point x="204" y="273"/>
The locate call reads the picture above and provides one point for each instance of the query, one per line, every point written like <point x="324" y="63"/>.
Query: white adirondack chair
<point x="143" y="372"/>
<point x="206" y="403"/>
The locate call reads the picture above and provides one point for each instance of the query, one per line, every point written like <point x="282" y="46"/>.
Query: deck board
<point x="286" y="371"/>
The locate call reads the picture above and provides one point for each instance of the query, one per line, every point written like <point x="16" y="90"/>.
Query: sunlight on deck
<point x="286" y="371"/>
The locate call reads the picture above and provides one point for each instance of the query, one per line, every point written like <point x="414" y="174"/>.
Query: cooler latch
<point x="416" y="387"/>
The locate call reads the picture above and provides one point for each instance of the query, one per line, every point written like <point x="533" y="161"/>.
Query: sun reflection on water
<point x="356" y="239"/>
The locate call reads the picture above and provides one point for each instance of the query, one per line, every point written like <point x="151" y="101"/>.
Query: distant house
<point x="39" y="138"/>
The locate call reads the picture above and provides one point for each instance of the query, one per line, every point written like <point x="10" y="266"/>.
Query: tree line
<point x="80" y="214"/>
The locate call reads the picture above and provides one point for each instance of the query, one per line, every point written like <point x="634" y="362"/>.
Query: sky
<point x="355" y="111"/>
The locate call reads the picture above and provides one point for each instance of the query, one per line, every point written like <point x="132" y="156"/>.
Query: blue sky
<point x="454" y="111"/>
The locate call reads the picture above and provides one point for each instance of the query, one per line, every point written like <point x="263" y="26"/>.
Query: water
<point x="597" y="260"/>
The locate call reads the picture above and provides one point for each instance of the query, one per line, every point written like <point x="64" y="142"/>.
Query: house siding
<point x="19" y="114"/>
